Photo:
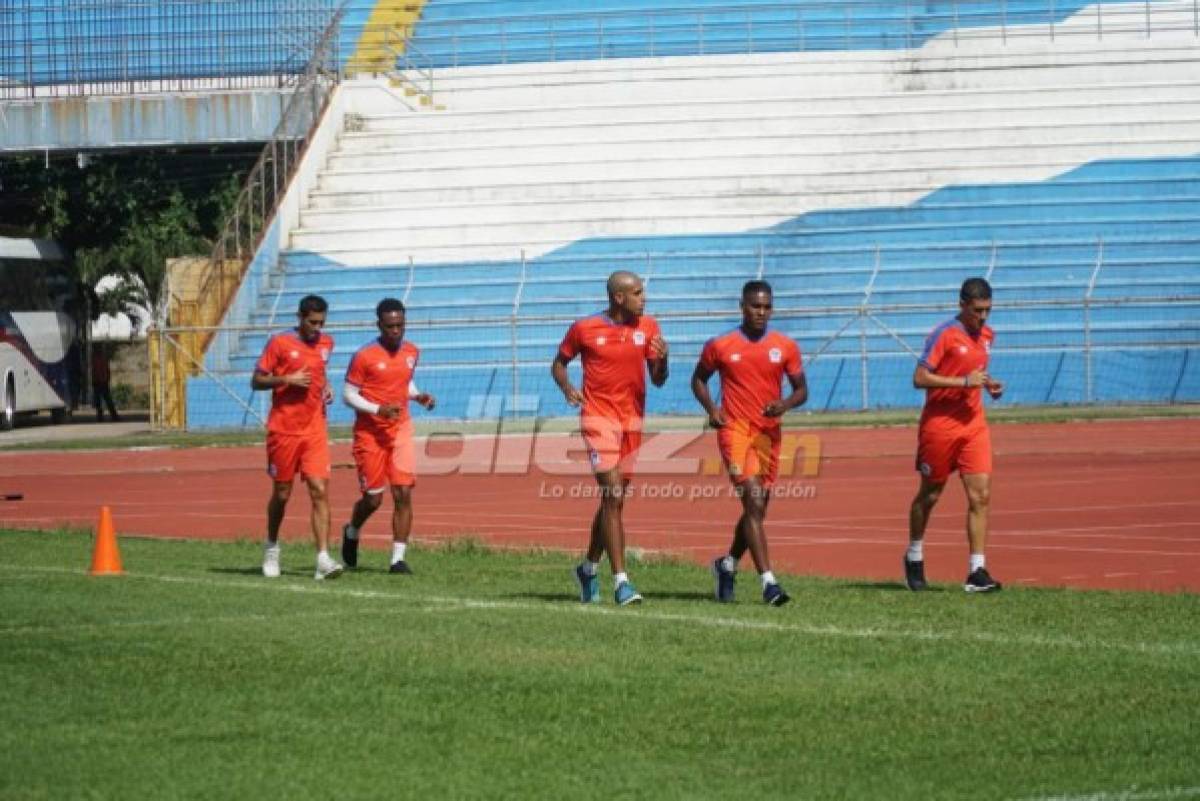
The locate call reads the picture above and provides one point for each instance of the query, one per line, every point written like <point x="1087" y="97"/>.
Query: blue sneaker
<point x="626" y="594"/>
<point x="724" y="579"/>
<point x="774" y="595"/>
<point x="589" y="586"/>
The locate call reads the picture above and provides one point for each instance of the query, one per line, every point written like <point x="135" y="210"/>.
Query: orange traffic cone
<point x="106" y="559"/>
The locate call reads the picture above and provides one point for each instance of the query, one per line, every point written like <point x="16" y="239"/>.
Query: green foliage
<point x="126" y="214"/>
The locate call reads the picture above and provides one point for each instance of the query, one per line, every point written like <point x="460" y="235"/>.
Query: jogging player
<point x="752" y="362"/>
<point x="379" y="385"/>
<point x="953" y="434"/>
<point x="292" y="366"/>
<point x="617" y="346"/>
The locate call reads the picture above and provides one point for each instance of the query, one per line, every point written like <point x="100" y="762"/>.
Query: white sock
<point x="620" y="578"/>
<point x="728" y="564"/>
<point x="351" y="532"/>
<point x="398" y="551"/>
<point x="768" y="578"/>
<point x="916" y="551"/>
<point x="590" y="567"/>
<point x="271" y="546"/>
<point x="977" y="561"/>
<point x="323" y="557"/>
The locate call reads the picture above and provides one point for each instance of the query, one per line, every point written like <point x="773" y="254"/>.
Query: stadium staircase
<point x="865" y="186"/>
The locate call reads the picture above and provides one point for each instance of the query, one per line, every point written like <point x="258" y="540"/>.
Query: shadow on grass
<point x="887" y="586"/>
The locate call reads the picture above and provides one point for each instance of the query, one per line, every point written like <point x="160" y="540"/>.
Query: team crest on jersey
<point x="962" y="349"/>
<point x="600" y="340"/>
<point x="594" y="457"/>
<point x="381" y="366"/>
<point x="295" y="354"/>
<point x="324" y="354"/>
<point x="639" y="338"/>
<point x="411" y="362"/>
<point x="775" y="355"/>
<point x="735" y="357"/>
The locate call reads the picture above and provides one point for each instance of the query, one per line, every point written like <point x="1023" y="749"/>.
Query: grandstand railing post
<point x="650" y="37"/>
<point x="954" y="9"/>
<point x="700" y="32"/>
<point x="503" y="42"/>
<point x="1004" y="21"/>
<point x="762" y="263"/>
<point x="1196" y="17"/>
<point x="1088" y="385"/>
<point x="600" y="36"/>
<point x="864" y="313"/>
<point x="1147" y="6"/>
<point x="1051" y="13"/>
<point x="908" y="26"/>
<point x="1099" y="22"/>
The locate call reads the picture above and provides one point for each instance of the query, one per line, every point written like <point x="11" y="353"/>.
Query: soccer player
<point x="953" y="434"/>
<point x="752" y="362"/>
<point x="379" y="385"/>
<point x="292" y="366"/>
<point x="617" y="346"/>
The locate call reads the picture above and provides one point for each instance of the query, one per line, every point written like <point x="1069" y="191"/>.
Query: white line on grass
<point x="1132" y="794"/>
<point x="275" y="585"/>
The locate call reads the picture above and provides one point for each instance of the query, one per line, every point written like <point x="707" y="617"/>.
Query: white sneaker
<point x="327" y="568"/>
<point x="271" y="561"/>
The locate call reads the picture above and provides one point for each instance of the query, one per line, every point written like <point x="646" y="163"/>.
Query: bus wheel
<point x="8" y="412"/>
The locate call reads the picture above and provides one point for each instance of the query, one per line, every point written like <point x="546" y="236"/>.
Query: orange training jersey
<point x="296" y="410"/>
<point x="614" y="364"/>
<point x="950" y="350"/>
<point x="751" y="372"/>
<point x="382" y="376"/>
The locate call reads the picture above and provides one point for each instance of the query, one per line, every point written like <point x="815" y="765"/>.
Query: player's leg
<point x="936" y="457"/>
<point x="315" y="468"/>
<point x="613" y="488"/>
<point x="601" y="437"/>
<point x="402" y="518"/>
<point x="371" y="464"/>
<point x="975" y="468"/>
<point x="283" y="462"/>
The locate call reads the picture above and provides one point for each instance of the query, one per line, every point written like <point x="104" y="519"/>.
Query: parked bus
<point x="41" y="331"/>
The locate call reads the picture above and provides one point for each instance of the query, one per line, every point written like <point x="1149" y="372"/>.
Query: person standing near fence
<point x="101" y="378"/>
<point x="379" y="385"/>
<point x="953" y="433"/>
<point x="752" y="363"/>
<point x="617" y="347"/>
<point x="292" y="366"/>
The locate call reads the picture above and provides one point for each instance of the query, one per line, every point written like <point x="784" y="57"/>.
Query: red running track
<point x="1107" y="504"/>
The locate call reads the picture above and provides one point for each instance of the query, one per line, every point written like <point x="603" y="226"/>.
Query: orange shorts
<point x="383" y="460"/>
<point x="611" y="443"/>
<point x="288" y="454"/>
<point x="941" y="452"/>
<point x="750" y="452"/>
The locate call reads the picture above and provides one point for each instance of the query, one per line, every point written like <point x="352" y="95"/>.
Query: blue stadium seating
<point x="1038" y="242"/>
<point x="478" y="32"/>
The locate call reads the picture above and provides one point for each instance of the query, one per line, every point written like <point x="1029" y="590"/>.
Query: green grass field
<point x="481" y="677"/>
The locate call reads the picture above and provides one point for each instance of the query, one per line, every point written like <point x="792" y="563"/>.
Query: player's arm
<point x="264" y="380"/>
<point x="558" y="371"/>
<point x="995" y="387"/>
<point x="924" y="378"/>
<point x="352" y="395"/>
<point x="700" y="376"/>
<point x="658" y="360"/>
<point x="423" y="398"/>
<point x="797" y="397"/>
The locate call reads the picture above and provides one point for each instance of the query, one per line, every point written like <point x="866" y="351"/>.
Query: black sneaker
<point x="980" y="581"/>
<point x="774" y="595"/>
<point x="914" y="575"/>
<point x="400" y="567"/>
<point x="349" y="549"/>
<point x="724" y="580"/>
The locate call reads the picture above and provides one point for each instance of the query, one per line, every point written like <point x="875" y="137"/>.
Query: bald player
<point x="618" y="346"/>
<point x="752" y="361"/>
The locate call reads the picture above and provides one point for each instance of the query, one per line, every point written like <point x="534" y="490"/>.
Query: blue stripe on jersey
<point x="933" y="338"/>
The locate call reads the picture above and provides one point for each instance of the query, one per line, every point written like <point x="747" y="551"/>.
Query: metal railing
<point x="754" y="28"/>
<point x="265" y="186"/>
<point x="79" y="48"/>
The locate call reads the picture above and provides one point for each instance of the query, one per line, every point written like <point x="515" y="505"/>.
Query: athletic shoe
<point x="349" y="549"/>
<point x="980" y="581"/>
<point x="773" y="595"/>
<point x="914" y="575"/>
<point x="327" y="568"/>
<point x="400" y="567"/>
<point x="724" y="581"/>
<point x="626" y="594"/>
<point x="589" y="586"/>
<point x="270" y="567"/>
